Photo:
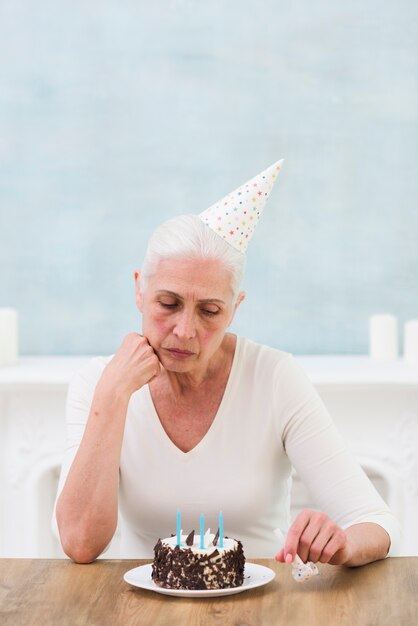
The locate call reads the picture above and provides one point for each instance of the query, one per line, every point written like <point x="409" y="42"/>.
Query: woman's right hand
<point x="134" y="365"/>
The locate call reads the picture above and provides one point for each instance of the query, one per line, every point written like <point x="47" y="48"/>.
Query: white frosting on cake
<point x="229" y="544"/>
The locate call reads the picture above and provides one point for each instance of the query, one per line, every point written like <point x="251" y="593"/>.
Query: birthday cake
<point x="190" y="566"/>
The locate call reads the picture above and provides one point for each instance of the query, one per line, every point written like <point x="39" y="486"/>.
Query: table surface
<point x="55" y="592"/>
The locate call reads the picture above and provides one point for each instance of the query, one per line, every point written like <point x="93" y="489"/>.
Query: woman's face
<point x="186" y="307"/>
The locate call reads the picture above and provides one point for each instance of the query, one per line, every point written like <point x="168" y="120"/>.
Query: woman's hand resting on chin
<point x="134" y="365"/>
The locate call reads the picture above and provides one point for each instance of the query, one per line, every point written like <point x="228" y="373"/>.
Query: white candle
<point x="8" y="336"/>
<point x="383" y="337"/>
<point x="411" y="342"/>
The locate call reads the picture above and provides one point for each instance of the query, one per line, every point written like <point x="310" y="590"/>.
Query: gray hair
<point x="187" y="236"/>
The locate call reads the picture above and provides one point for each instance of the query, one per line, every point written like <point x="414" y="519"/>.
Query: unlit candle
<point x="178" y="528"/>
<point x="8" y="336"/>
<point x="202" y="531"/>
<point x="411" y="342"/>
<point x="383" y="337"/>
<point x="221" y="530"/>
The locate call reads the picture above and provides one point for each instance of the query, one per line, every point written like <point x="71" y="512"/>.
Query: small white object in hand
<point x="300" y="571"/>
<point x="303" y="571"/>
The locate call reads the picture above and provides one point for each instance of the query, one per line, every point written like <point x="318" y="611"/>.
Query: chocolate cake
<point x="189" y="567"/>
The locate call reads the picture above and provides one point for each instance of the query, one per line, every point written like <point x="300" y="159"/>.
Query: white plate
<point x="254" y="576"/>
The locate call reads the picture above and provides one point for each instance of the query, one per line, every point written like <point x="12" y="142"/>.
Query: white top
<point x="270" y="418"/>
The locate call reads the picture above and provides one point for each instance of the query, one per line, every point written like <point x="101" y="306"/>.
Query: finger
<point x="306" y="540"/>
<point x="280" y="556"/>
<point x="317" y="521"/>
<point x="157" y="372"/>
<point x="321" y="540"/>
<point x="333" y="552"/>
<point x="153" y="365"/>
<point x="295" y="532"/>
<point x="131" y="339"/>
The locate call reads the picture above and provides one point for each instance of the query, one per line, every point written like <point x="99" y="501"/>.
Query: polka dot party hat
<point x="235" y="216"/>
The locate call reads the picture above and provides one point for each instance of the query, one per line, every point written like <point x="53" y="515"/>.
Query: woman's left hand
<point x="315" y="537"/>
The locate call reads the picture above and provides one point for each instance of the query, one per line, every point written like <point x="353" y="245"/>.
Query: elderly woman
<point x="189" y="416"/>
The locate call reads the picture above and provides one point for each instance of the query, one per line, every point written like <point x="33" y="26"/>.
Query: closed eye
<point x="173" y="305"/>
<point x="168" y="306"/>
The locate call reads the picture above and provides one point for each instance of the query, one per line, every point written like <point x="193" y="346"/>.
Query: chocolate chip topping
<point x="213" y="554"/>
<point x="216" y="538"/>
<point x="183" y="568"/>
<point x="190" y="539"/>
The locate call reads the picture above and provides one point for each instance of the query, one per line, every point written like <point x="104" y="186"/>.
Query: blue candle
<point x="202" y="531"/>
<point x="221" y="530"/>
<point x="178" y="528"/>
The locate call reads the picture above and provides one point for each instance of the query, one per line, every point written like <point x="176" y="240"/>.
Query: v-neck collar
<point x="208" y="436"/>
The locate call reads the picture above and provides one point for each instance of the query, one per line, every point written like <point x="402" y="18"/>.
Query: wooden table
<point x="43" y="592"/>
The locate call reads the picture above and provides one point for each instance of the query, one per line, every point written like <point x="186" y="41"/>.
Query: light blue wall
<point x="115" y="115"/>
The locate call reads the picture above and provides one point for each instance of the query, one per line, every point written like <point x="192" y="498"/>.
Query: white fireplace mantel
<point x="375" y="405"/>
<point x="322" y="370"/>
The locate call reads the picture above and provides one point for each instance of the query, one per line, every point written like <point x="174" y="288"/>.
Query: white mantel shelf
<point x="55" y="371"/>
<point x="322" y="370"/>
<point x="357" y="370"/>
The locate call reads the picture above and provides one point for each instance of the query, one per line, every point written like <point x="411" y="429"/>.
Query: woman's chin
<point x="175" y="364"/>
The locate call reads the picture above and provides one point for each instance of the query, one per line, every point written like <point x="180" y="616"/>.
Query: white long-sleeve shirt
<point x="269" y="419"/>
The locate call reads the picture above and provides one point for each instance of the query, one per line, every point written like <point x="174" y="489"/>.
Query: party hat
<point x="235" y="216"/>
